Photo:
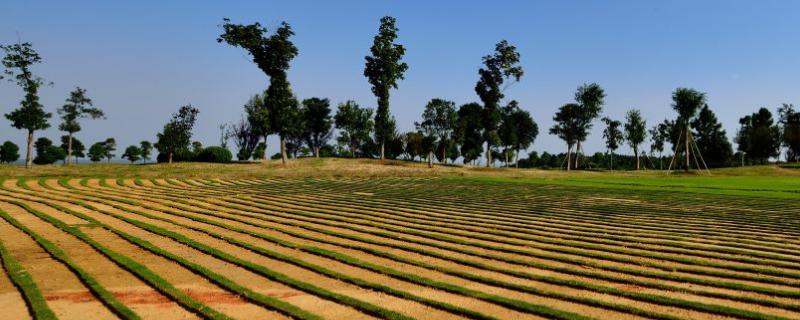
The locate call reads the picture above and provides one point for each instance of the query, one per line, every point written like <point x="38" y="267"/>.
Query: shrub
<point x="214" y="154"/>
<point x="9" y="152"/>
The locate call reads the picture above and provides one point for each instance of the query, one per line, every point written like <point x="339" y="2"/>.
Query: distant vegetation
<point x="490" y="129"/>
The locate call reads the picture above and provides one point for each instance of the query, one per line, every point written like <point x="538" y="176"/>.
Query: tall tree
<point x="9" y="152"/>
<point x="499" y="67"/>
<point x="759" y="137"/>
<point x="145" y="147"/>
<point x="613" y="136"/>
<point x="132" y="153"/>
<point x="635" y="131"/>
<point x="711" y="139"/>
<point x="383" y="69"/>
<point x="686" y="102"/>
<point x="77" y="106"/>
<point x="470" y="127"/>
<point x="789" y="120"/>
<point x="77" y="147"/>
<point x="568" y="126"/>
<point x="30" y="115"/>
<point x="658" y="136"/>
<point x="318" y="123"/>
<point x="272" y="55"/>
<point x="177" y="133"/>
<point x="439" y="121"/>
<point x="354" y="124"/>
<point x="590" y="98"/>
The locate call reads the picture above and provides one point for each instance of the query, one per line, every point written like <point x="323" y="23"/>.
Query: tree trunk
<point x="444" y="155"/>
<point x="687" y="148"/>
<point x="264" y="153"/>
<point x="569" y="156"/>
<point x="488" y="155"/>
<point x="170" y="157"/>
<point x="577" y="154"/>
<point x="636" y="150"/>
<point x="28" y="159"/>
<point x="612" y="160"/>
<point x="430" y="159"/>
<point x="516" y="159"/>
<point x="316" y="152"/>
<point x="506" y="152"/>
<point x="382" y="146"/>
<point x="69" y="148"/>
<point x="283" y="150"/>
<point x="353" y="151"/>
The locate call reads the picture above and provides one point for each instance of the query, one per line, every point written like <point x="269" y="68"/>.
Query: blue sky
<point x="141" y="60"/>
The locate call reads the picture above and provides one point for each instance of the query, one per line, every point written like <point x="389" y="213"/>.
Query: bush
<point x="179" y="156"/>
<point x="214" y="154"/>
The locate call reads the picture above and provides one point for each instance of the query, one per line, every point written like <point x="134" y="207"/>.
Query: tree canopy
<point x="318" y="123"/>
<point x="354" y="124"/>
<point x="635" y="131"/>
<point x="758" y="136"/>
<point x="177" y="133"/>
<point x="613" y="136"/>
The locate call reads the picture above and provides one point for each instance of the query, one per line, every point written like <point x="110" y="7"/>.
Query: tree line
<point x="491" y="128"/>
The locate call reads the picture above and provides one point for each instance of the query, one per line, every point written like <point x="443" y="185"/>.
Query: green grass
<point x="21" y="279"/>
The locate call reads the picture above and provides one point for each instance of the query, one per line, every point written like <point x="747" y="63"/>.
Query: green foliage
<point x="790" y="131"/>
<point x="259" y="151"/>
<point x="658" y="136"/>
<point x="382" y="69"/>
<point x="215" y="154"/>
<point x="686" y="102"/>
<point x="9" y="152"/>
<point x="612" y="134"/>
<point x="109" y="146"/>
<point x="759" y="137"/>
<point x="568" y="124"/>
<point x="469" y="131"/>
<point x="354" y="124"/>
<point x="635" y="129"/>
<point x="246" y="139"/>
<point x="132" y="153"/>
<point x="177" y="133"/>
<point x="318" y="123"/>
<point x="18" y="60"/>
<point x="711" y="139"/>
<point x="146" y="148"/>
<point x="97" y="151"/>
<point x="412" y="144"/>
<point x="517" y="130"/>
<point x="47" y="153"/>
<point x="590" y="98"/>
<point x="77" y="106"/>
<point x="439" y="121"/>
<point x="78" y="149"/>
<point x="257" y="117"/>
<point x="499" y="67"/>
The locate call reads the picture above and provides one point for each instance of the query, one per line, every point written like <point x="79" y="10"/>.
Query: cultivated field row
<point x="392" y="248"/>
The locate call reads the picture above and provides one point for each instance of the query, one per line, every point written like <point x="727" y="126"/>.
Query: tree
<point x="711" y="139"/>
<point x="258" y="120"/>
<point x="355" y="125"/>
<point x="77" y="106"/>
<point x="759" y="137"/>
<point x="658" y="135"/>
<point x="77" y="147"/>
<point x="635" y="131"/>
<point x="568" y="126"/>
<point x="470" y="127"/>
<point x="590" y="98"/>
<point x="97" y="151"/>
<point x="9" y="152"/>
<point x="245" y="139"/>
<point x="686" y="102"/>
<point x="177" y="133"/>
<point x="47" y="153"/>
<point x="109" y="146"/>
<point x="272" y="55"/>
<point x="318" y="123"/>
<point x="30" y="115"/>
<point x="439" y="121"/>
<point x="132" y="153"/>
<point x="789" y="120"/>
<point x="145" y="147"/>
<point x="517" y="130"/>
<point x="498" y="68"/>
<point x="413" y="144"/>
<point x="383" y="68"/>
<point x="613" y="137"/>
